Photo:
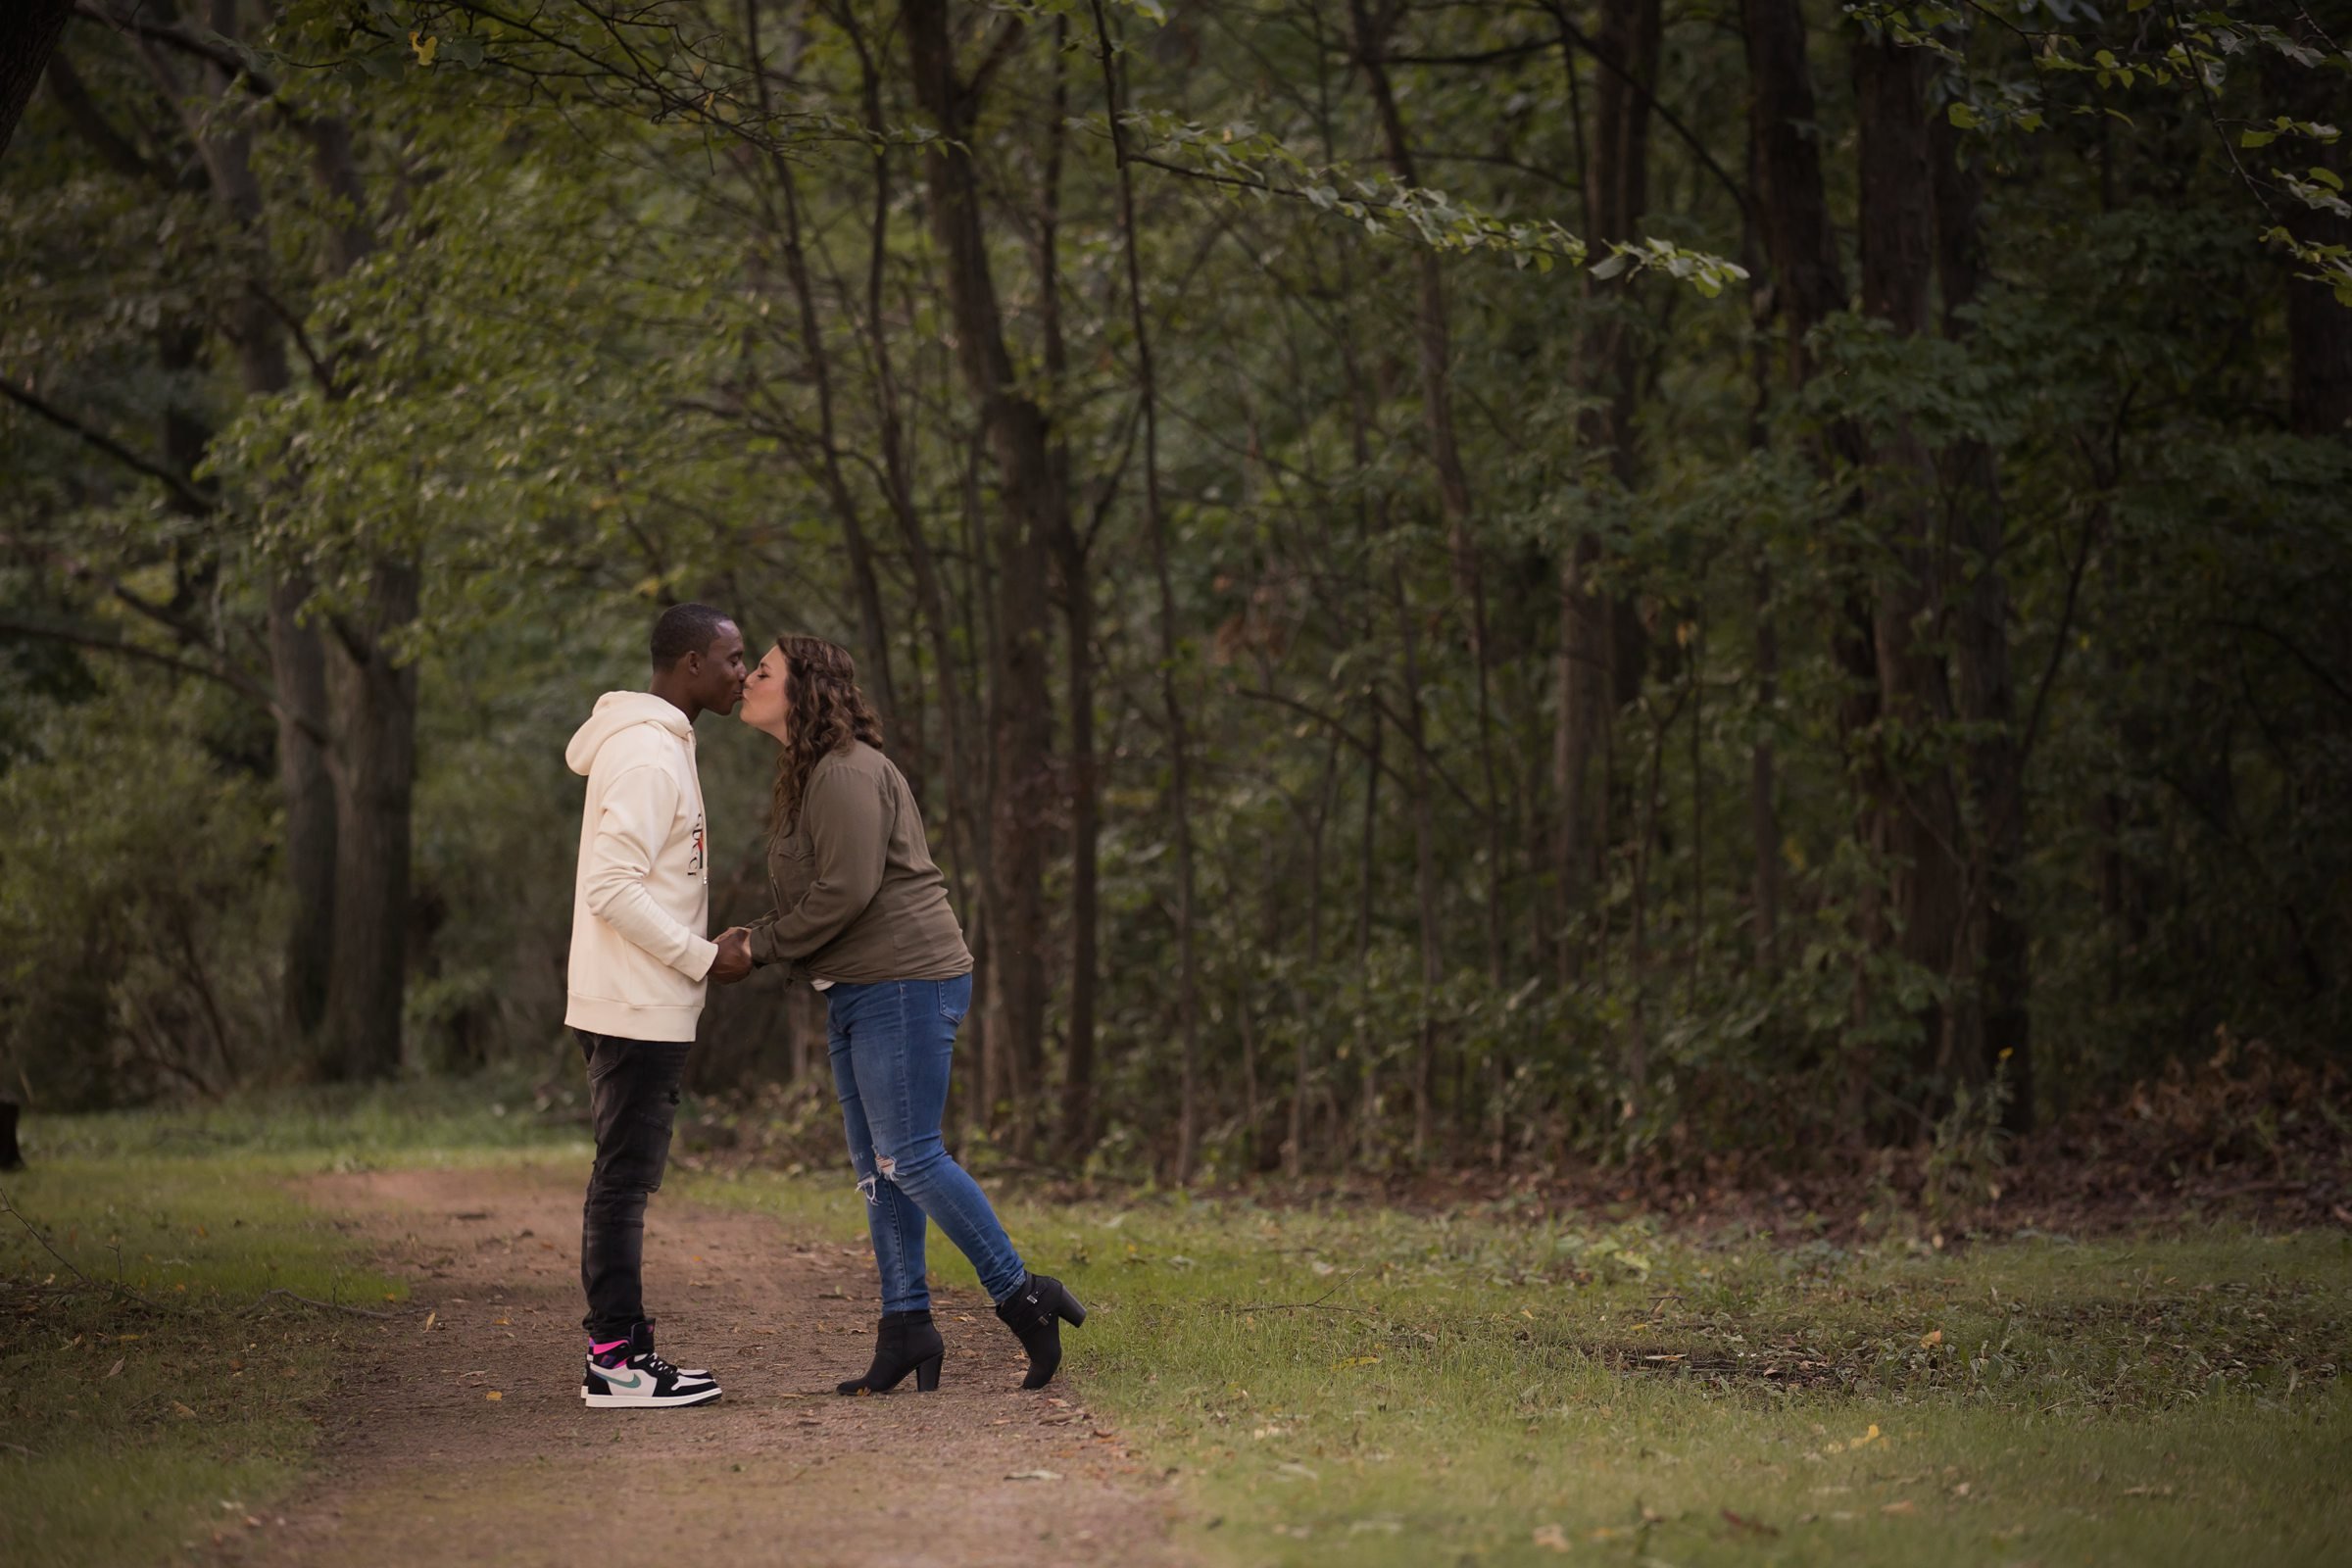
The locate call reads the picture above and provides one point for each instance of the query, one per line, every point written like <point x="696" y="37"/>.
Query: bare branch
<point x="234" y="679"/>
<point x="194" y="499"/>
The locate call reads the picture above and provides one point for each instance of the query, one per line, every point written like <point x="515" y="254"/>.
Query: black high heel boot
<point x="1035" y="1313"/>
<point x="905" y="1343"/>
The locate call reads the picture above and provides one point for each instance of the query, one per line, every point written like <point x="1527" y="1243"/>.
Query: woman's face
<point x="766" y="695"/>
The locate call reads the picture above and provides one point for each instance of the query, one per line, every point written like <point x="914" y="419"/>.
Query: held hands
<point x="734" y="959"/>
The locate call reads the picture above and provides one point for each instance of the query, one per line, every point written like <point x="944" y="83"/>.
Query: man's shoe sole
<point x="646" y="1401"/>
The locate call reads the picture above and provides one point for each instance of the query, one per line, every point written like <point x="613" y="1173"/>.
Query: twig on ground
<point x="1308" y="1307"/>
<point x="323" y="1306"/>
<point x="33" y="1231"/>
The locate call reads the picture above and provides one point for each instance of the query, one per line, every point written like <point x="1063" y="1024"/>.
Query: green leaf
<point x="1962" y="116"/>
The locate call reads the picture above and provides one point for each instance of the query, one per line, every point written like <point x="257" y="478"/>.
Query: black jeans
<point x="633" y="1100"/>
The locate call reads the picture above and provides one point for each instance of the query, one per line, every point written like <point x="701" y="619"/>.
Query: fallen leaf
<point x="1034" y="1475"/>
<point x="1905" y="1507"/>
<point x="1551" y="1538"/>
<point x="181" y="1408"/>
<point x="117" y="1367"/>
<point x="1930" y="1340"/>
<point x="430" y="1318"/>
<point x="492" y="1394"/>
<point x="1746" y="1526"/>
<point x="1355" y="1360"/>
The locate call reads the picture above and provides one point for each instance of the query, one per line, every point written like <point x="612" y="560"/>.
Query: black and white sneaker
<point x="632" y="1375"/>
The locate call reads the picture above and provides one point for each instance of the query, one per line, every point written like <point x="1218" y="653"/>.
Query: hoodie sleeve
<point x="849" y="830"/>
<point x="637" y="806"/>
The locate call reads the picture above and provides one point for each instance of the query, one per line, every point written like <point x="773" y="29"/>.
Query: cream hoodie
<point x="642" y="897"/>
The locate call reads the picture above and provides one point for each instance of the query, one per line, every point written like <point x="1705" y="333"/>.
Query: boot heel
<point x="1071" y="1312"/>
<point x="926" y="1374"/>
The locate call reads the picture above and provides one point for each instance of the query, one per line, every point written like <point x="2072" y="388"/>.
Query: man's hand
<point x="734" y="959"/>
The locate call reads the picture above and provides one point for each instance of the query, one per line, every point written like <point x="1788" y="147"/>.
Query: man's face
<point x="715" y="675"/>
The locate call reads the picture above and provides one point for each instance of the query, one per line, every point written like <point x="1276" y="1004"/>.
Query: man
<point x="639" y="964"/>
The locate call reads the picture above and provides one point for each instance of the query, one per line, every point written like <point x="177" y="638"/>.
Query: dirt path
<point x="467" y="1443"/>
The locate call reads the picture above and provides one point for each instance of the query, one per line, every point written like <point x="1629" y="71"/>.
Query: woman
<point x="861" y="914"/>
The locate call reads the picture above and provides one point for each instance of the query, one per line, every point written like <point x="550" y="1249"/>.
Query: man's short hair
<point x="686" y="630"/>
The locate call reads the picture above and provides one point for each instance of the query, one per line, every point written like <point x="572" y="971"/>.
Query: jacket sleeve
<point x="849" y="830"/>
<point x="630" y="828"/>
<point x="763" y="949"/>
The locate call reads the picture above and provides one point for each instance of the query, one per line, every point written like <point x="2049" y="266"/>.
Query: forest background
<point x="1516" y="582"/>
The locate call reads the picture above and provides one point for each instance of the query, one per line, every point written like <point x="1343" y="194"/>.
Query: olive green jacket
<point x="856" y="897"/>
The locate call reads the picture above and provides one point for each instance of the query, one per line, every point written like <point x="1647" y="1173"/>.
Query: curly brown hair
<point x="828" y="714"/>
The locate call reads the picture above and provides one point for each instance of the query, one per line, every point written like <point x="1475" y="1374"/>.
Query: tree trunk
<point x="1993" y="945"/>
<point x="28" y="34"/>
<point x="1293" y="1152"/>
<point x="1425" y="885"/>
<point x="1078" y="615"/>
<point x="1785" y="121"/>
<point x="298" y="669"/>
<point x="374" y="768"/>
<point x="1914" y="810"/>
<point x="1180" y="809"/>
<point x="1763" y="783"/>
<point x="1086" y="837"/>
<point x="1032" y="512"/>
<point x="2319" y="326"/>
<point x="1809" y="286"/>
<point x="1433" y="341"/>
<point x="873" y="624"/>
<point x="1601" y="641"/>
<point x="967" y="814"/>
<point x="1763" y="789"/>
<point x="1587" y="687"/>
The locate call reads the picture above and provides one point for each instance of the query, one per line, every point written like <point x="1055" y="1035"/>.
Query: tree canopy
<point x="1503" y="581"/>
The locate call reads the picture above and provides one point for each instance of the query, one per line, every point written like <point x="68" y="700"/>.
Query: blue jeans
<point x="891" y="1043"/>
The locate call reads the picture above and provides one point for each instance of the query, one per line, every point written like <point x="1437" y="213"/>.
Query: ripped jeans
<point x="891" y="1045"/>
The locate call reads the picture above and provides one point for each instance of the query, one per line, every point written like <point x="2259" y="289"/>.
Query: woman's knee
<point x="910" y="1166"/>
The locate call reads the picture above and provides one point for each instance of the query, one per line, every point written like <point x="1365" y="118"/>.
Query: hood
<point x="617" y="712"/>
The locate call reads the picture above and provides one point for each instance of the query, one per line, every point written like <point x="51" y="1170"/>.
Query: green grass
<point x="1374" y="1388"/>
<point x="344" y="1128"/>
<point x="1335" y="1386"/>
<point x="162" y="1392"/>
<point x="153" y="1401"/>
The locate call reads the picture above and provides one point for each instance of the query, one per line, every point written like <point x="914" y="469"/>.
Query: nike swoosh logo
<point x="636" y="1380"/>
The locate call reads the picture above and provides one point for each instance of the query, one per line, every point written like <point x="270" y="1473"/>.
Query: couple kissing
<point x="858" y="910"/>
